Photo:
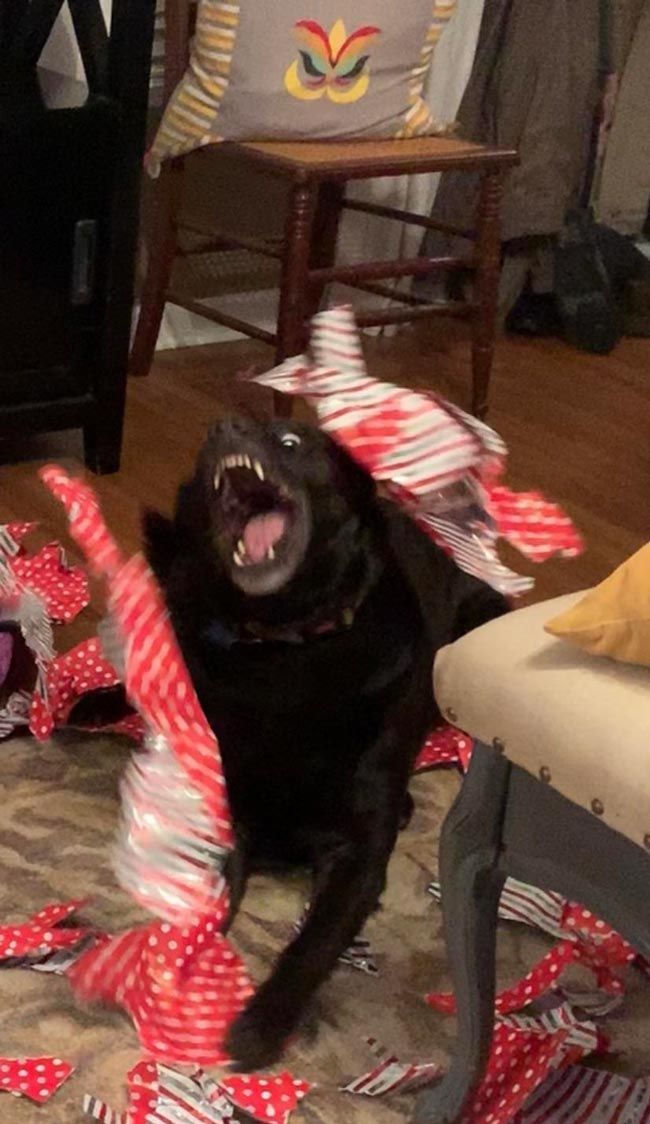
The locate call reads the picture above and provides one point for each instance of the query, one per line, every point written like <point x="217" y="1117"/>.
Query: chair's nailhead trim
<point x="597" y="807"/>
<point x="545" y="774"/>
<point x="498" y="745"/>
<point x="451" y="714"/>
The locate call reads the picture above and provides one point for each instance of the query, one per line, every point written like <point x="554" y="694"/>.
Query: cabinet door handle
<point x="82" y="286"/>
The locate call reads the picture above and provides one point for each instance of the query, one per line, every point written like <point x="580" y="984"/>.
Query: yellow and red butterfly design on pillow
<point x="330" y="64"/>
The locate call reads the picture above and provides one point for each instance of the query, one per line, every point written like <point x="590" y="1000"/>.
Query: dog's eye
<point x="290" y="440"/>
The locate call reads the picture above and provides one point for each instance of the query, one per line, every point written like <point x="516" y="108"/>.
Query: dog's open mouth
<point x="262" y="523"/>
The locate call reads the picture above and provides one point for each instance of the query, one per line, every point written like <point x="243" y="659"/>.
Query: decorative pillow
<point x="304" y="70"/>
<point x="614" y="618"/>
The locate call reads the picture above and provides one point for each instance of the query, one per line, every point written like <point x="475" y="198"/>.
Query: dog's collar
<point x="298" y="633"/>
<point x="254" y="632"/>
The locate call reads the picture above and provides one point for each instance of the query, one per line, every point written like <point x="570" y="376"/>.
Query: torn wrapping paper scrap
<point x="438" y="462"/>
<point x="43" y="934"/>
<point x="390" y="1075"/>
<point x="35" y="590"/>
<point x="585" y="939"/>
<point x="160" y="1095"/>
<point x="542" y="909"/>
<point x="590" y="1096"/>
<point x="35" y="1078"/>
<point x="69" y="677"/>
<point x="28" y="648"/>
<point x="606" y="960"/>
<point x="358" y="956"/>
<point x="63" y="588"/>
<point x="12" y="535"/>
<point x="524" y="1052"/>
<point x="444" y="746"/>
<point x="268" y="1098"/>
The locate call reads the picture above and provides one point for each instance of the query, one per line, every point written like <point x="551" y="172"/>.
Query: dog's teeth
<point x="270" y="554"/>
<point x="217" y="480"/>
<point x="247" y="462"/>
<point x="259" y="470"/>
<point x="236" y="559"/>
<point x="241" y="548"/>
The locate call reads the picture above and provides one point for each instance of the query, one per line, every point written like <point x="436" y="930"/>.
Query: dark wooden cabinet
<point x="70" y="167"/>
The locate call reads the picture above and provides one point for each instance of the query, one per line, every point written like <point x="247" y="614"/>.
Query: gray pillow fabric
<point x="304" y="70"/>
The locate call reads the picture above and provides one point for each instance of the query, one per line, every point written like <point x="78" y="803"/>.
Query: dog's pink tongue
<point x="262" y="532"/>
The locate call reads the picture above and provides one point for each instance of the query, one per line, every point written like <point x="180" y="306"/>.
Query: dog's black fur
<point x="320" y="690"/>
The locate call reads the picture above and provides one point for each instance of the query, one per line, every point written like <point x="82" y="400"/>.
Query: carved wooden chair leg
<point x="292" y="313"/>
<point x="486" y="289"/>
<point x="471" y="886"/>
<point x="324" y="239"/>
<point x="161" y="249"/>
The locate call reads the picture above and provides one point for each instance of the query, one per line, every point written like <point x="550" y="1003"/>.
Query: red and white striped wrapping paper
<point x="524" y="1052"/>
<point x="579" y="1095"/>
<point x="390" y="1075"/>
<point x="442" y="464"/>
<point x="542" y="909"/>
<point x="159" y="1095"/>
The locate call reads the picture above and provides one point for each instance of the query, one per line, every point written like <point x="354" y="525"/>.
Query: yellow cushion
<point x="614" y="618"/>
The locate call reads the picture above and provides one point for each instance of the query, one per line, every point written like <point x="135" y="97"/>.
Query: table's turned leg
<point x="486" y="289"/>
<point x="294" y="286"/>
<point x="471" y="886"/>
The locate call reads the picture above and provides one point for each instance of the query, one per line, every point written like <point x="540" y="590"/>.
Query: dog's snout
<point x="236" y="430"/>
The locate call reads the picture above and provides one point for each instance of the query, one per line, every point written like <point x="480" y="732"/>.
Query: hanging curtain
<point x="623" y="192"/>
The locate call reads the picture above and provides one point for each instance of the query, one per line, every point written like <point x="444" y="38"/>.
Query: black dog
<point x="309" y="612"/>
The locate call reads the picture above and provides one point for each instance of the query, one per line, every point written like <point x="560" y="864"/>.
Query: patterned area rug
<point x="58" y="807"/>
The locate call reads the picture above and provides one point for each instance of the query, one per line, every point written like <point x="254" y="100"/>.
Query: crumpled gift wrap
<point x="178" y="977"/>
<point x="440" y="463"/>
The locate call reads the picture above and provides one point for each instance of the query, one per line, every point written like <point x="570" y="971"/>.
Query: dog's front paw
<point x="258" y="1036"/>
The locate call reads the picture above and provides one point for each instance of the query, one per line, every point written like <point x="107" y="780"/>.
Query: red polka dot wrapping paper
<point x="181" y="986"/>
<point x="268" y="1098"/>
<point x="158" y="1095"/>
<point x="520" y="1060"/>
<point x="69" y="677"/>
<point x="37" y="1079"/>
<point x="444" y="746"/>
<point x="585" y="939"/>
<point x="440" y="463"/>
<point x="157" y="681"/>
<point x="63" y="588"/>
<point x="606" y="956"/>
<point x="43" y="933"/>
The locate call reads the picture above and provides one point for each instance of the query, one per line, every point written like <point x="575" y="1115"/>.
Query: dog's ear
<point x="352" y="479"/>
<point x="160" y="542"/>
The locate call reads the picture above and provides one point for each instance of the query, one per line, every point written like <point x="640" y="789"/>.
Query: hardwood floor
<point x="578" y="428"/>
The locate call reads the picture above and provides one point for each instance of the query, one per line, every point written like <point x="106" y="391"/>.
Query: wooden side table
<point x="317" y="174"/>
